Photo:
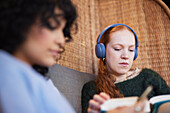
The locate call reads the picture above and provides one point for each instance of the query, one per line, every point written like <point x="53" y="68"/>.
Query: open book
<point x="156" y="101"/>
<point x="151" y="106"/>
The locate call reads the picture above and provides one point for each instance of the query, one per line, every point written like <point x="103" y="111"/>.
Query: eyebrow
<point x="59" y="15"/>
<point x="122" y="45"/>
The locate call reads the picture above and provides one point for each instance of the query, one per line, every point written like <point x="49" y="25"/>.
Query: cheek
<point x="44" y="38"/>
<point x="132" y="56"/>
<point x="43" y="34"/>
<point x="112" y="55"/>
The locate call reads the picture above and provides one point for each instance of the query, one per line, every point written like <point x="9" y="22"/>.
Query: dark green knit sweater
<point x="131" y="87"/>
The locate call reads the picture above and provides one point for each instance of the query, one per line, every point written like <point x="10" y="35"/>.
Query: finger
<point x="104" y="95"/>
<point x="139" y="106"/>
<point x="99" y="99"/>
<point x="94" y="105"/>
<point x="141" y="103"/>
<point x="92" y="111"/>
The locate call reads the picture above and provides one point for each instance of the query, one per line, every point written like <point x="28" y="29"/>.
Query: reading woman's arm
<point x="160" y="86"/>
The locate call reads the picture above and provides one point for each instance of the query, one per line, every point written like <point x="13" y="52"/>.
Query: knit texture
<point x="131" y="87"/>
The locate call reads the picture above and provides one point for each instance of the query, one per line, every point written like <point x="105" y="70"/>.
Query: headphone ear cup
<point x="100" y="50"/>
<point x="136" y="53"/>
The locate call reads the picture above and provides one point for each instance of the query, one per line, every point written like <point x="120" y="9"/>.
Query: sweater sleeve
<point x="87" y="93"/>
<point x="160" y="86"/>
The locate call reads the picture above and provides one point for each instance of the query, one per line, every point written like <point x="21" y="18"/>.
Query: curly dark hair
<point x="17" y="16"/>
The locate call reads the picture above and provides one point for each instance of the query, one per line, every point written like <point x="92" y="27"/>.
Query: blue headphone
<point x="100" y="47"/>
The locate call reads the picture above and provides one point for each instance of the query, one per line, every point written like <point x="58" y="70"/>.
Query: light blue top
<point x="23" y="90"/>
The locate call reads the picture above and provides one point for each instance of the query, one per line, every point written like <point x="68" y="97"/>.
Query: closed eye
<point x="132" y="50"/>
<point x="117" y="49"/>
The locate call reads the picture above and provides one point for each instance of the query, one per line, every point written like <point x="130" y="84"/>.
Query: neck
<point x="130" y="74"/>
<point x="120" y="78"/>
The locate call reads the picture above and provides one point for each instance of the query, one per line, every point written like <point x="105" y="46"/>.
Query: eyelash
<point x="116" y="49"/>
<point x="120" y="49"/>
<point x="131" y="50"/>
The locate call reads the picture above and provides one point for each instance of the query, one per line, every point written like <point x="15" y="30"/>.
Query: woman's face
<point x="42" y="45"/>
<point x="120" y="52"/>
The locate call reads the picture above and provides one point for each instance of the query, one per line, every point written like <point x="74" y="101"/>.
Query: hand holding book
<point x="128" y="101"/>
<point x="97" y="101"/>
<point x="151" y="106"/>
<point x="130" y="109"/>
<point x="102" y="103"/>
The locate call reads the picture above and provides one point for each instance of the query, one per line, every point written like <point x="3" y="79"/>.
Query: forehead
<point x="122" y="36"/>
<point x="59" y="14"/>
<point x="58" y="11"/>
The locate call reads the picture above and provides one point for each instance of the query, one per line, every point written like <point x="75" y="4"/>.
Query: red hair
<point x="105" y="81"/>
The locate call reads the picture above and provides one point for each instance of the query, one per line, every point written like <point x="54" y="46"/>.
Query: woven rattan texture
<point x="148" y="19"/>
<point x="78" y="54"/>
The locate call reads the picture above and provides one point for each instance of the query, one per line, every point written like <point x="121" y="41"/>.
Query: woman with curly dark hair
<point x="32" y="34"/>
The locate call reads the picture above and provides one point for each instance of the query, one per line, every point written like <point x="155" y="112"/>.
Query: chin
<point x="49" y="63"/>
<point x="124" y="71"/>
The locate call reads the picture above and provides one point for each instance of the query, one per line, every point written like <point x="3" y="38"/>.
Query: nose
<point x="60" y="38"/>
<point x="125" y="54"/>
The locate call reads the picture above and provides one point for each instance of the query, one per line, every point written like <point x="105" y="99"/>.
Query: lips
<point x="124" y="64"/>
<point x="54" y="53"/>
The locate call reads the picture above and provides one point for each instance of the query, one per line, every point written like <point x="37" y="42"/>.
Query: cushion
<point x="70" y="82"/>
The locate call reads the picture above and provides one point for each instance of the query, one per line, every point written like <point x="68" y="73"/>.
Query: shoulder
<point x="153" y="77"/>
<point x="89" y="88"/>
<point x="16" y="74"/>
<point x="90" y="84"/>
<point x="147" y="70"/>
<point x="150" y="73"/>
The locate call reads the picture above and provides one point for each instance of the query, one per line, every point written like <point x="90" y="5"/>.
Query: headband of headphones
<point x="111" y="26"/>
<point x="100" y="48"/>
